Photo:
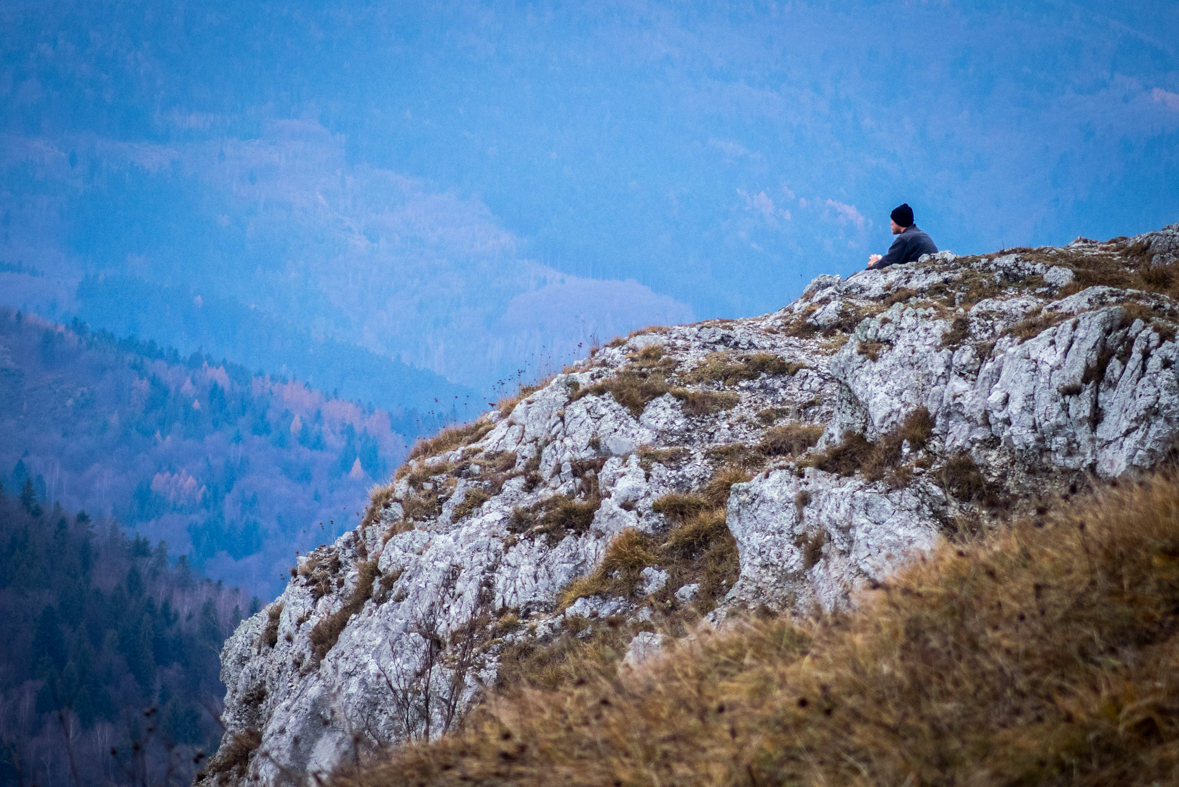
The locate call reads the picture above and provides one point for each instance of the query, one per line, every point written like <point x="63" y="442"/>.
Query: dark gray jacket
<point x="908" y="246"/>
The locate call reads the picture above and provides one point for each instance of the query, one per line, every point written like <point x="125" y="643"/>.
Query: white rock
<point x="652" y="580"/>
<point x="1058" y="276"/>
<point x="645" y="646"/>
<point x="1096" y="391"/>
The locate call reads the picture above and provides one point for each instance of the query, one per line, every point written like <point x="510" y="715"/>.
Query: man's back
<point x="908" y="247"/>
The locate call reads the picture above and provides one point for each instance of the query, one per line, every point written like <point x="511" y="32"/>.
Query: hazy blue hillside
<point x="235" y="470"/>
<point x="110" y="670"/>
<point x="432" y="184"/>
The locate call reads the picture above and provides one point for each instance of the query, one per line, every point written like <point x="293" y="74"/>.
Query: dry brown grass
<point x="327" y="631"/>
<point x="963" y="480"/>
<point x="664" y="456"/>
<point x="270" y="633"/>
<point x="471" y="502"/>
<point x="698" y="548"/>
<point x="728" y="369"/>
<point x="679" y="507"/>
<point x="1038" y="655"/>
<point x="956" y="334"/>
<point x="618" y="573"/>
<point x="877" y="460"/>
<point x="320" y="573"/>
<point x="380" y="498"/>
<point x="716" y="491"/>
<point x="771" y="414"/>
<point x="1036" y="323"/>
<point x="555" y="517"/>
<point x="449" y="439"/>
<point x="705" y="402"/>
<point x="633" y="389"/>
<point x="844" y="458"/>
<point x="422" y="504"/>
<point x="651" y="358"/>
<point x="870" y="350"/>
<point x="900" y="296"/>
<point x="233" y="758"/>
<point x="790" y="439"/>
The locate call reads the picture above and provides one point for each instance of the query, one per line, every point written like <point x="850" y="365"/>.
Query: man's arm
<point x="896" y="253"/>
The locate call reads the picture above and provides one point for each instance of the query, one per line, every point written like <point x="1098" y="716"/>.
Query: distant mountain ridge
<point x="234" y="469"/>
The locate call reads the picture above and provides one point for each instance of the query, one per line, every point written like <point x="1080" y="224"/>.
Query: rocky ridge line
<point x="686" y="473"/>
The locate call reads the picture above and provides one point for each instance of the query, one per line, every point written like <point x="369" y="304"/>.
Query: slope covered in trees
<point x="235" y="469"/>
<point x="108" y="644"/>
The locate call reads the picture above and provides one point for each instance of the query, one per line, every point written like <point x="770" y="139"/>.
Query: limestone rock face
<point x="853" y="426"/>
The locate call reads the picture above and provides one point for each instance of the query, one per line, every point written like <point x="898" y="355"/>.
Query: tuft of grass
<point x="878" y="460"/>
<point x="870" y="350"/>
<point x="270" y="633"/>
<point x="327" y="631"/>
<point x="449" y="439"/>
<point x="957" y="333"/>
<point x="422" y="504"/>
<point x="716" y="491"/>
<point x="900" y="296"/>
<point x="653" y="358"/>
<point x="577" y="654"/>
<point x="618" y="573"/>
<point x="770" y="414"/>
<point x="845" y="458"/>
<point x="320" y="572"/>
<point x="728" y="369"/>
<point x="664" y="456"/>
<point x="1036" y="323"/>
<point x="705" y="402"/>
<point x="790" y="439"/>
<point x="555" y="517"/>
<point x="632" y="389"/>
<point x="380" y="498"/>
<point x="1045" y="653"/>
<point x="696" y="535"/>
<point x="679" y="507"/>
<point x="233" y="758"/>
<point x="471" y="502"/>
<point x="1158" y="279"/>
<point x="962" y="478"/>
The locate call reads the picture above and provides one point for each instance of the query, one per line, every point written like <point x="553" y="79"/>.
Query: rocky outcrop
<point x="686" y="473"/>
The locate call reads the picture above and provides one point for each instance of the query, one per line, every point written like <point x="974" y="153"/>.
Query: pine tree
<point x="48" y="641"/>
<point x="143" y="660"/>
<point x="28" y="499"/>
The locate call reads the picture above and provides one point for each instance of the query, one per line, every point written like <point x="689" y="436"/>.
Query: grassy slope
<point x="1044" y="653"/>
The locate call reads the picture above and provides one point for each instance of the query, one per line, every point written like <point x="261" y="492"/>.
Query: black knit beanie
<point x="902" y="215"/>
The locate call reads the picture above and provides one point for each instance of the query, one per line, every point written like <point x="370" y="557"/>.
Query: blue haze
<point x="481" y="191"/>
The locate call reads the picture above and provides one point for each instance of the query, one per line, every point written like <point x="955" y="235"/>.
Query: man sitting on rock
<point x="910" y="244"/>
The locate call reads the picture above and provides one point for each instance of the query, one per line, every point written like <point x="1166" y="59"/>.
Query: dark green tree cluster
<point x="99" y="628"/>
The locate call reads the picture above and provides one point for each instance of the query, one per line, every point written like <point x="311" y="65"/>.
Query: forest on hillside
<point x="237" y="470"/>
<point x="109" y="667"/>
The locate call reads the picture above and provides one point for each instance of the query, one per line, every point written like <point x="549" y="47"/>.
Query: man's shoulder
<point x="921" y="236"/>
